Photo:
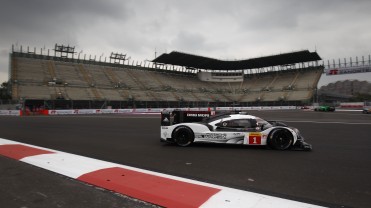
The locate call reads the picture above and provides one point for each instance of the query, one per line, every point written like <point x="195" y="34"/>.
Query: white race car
<point x="187" y="127"/>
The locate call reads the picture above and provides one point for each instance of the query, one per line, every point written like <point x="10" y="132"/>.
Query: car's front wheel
<point x="280" y="139"/>
<point x="183" y="136"/>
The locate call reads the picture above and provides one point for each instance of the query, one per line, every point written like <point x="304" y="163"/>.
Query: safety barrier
<point x="352" y="105"/>
<point x="10" y="112"/>
<point x="136" y="111"/>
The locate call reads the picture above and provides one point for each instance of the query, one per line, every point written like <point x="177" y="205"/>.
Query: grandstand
<point x="174" y="80"/>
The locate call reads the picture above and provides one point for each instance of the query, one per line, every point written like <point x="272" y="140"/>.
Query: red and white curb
<point x="156" y="188"/>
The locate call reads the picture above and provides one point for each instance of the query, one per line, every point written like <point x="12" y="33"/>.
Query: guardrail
<point x="141" y="110"/>
<point x="134" y="111"/>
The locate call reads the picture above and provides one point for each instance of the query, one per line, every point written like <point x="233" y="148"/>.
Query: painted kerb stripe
<point x="157" y="188"/>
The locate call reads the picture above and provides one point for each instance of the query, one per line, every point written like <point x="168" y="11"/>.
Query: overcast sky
<point x="222" y="29"/>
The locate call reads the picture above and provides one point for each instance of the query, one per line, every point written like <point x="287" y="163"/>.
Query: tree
<point x="4" y="93"/>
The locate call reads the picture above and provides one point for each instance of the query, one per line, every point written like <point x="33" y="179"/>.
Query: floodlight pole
<point x="62" y="49"/>
<point x="119" y="57"/>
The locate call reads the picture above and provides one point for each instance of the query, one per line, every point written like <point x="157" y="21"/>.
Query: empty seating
<point x="30" y="70"/>
<point x="69" y="74"/>
<point x="48" y="79"/>
<point x="307" y="79"/>
<point x="34" y="92"/>
<point x="79" y="93"/>
<point x="98" y="76"/>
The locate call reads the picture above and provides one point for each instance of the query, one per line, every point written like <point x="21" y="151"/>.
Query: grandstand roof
<point x="200" y="62"/>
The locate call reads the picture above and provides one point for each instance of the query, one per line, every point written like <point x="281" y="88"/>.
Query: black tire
<point x="183" y="136"/>
<point x="280" y="139"/>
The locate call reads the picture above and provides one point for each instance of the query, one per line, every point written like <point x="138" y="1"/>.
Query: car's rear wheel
<point x="183" y="136"/>
<point x="280" y="139"/>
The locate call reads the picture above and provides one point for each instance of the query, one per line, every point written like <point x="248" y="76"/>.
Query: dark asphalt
<point x="336" y="173"/>
<point x="26" y="186"/>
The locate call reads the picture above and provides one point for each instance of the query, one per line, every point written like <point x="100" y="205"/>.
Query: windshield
<point x="217" y="117"/>
<point x="263" y="124"/>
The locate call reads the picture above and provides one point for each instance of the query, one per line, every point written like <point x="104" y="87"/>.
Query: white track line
<point x="327" y="122"/>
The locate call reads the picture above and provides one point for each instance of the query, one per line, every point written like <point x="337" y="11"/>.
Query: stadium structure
<point x="63" y="79"/>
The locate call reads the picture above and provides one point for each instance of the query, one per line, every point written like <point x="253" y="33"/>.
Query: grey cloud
<point x="4" y="52"/>
<point x="214" y="28"/>
<point x="193" y="42"/>
<point x="48" y="18"/>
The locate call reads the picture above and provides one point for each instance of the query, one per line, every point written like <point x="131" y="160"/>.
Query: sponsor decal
<point x="212" y="136"/>
<point x="125" y="110"/>
<point x="348" y="70"/>
<point x="86" y="111"/>
<point x="10" y="112"/>
<point x="61" y="112"/>
<point x="103" y="111"/>
<point x="198" y="115"/>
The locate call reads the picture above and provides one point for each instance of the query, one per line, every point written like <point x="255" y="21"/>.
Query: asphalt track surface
<point x="336" y="173"/>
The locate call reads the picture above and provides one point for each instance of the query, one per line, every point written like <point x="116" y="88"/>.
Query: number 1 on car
<point x="255" y="138"/>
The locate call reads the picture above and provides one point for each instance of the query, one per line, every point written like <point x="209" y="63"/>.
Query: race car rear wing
<point x="169" y="118"/>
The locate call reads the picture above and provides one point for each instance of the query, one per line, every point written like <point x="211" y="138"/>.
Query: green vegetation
<point x="4" y="93"/>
